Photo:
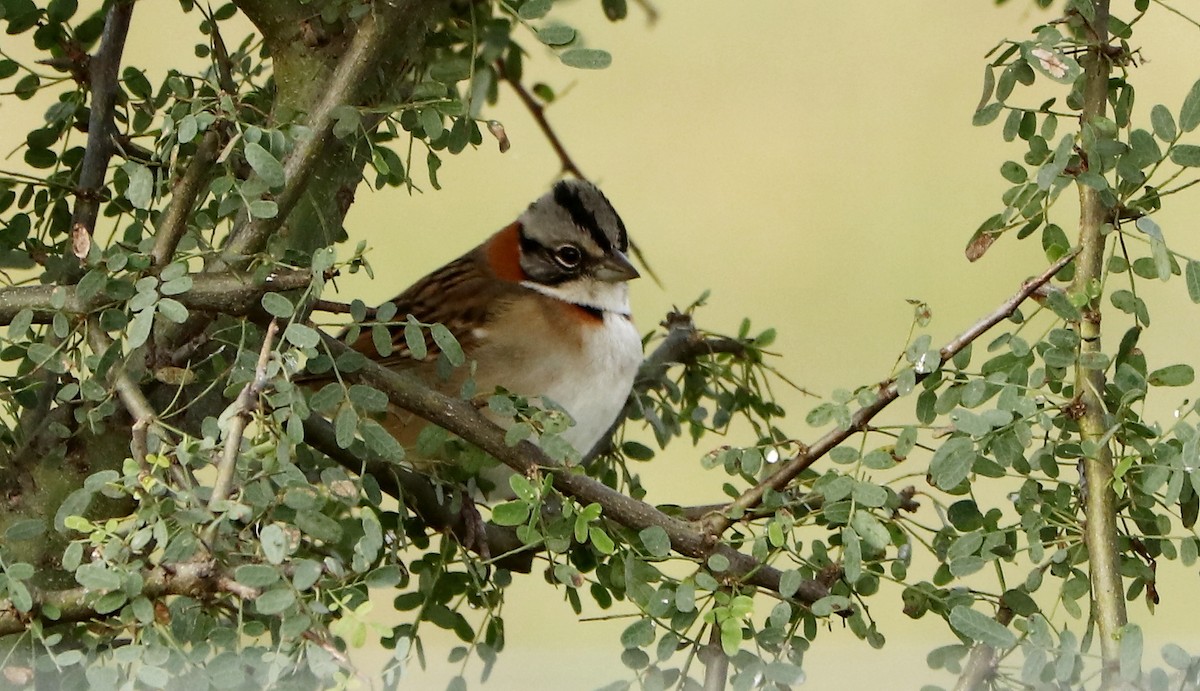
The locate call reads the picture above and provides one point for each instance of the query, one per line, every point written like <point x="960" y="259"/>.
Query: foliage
<point x="146" y="328"/>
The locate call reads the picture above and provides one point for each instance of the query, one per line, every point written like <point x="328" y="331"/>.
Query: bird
<point x="542" y="309"/>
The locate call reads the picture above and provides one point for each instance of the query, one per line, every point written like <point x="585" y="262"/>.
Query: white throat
<point x="588" y="292"/>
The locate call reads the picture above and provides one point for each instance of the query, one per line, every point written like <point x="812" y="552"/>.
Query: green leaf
<point x="265" y="164"/>
<point x="1158" y="245"/>
<point x="345" y="424"/>
<point x="639" y="634"/>
<point x="301" y="336"/>
<point x="870" y="530"/>
<point x="20" y="324"/>
<point x="447" y="343"/>
<point x="139" y="327"/>
<point x="317" y="525"/>
<point x="263" y="208"/>
<point x="1163" y="123"/>
<point x="556" y="35"/>
<point x="172" y="310"/>
<point x="1173" y="375"/>
<point x="256" y="575"/>
<point x="656" y="541"/>
<point x="19" y="596"/>
<point x="534" y="9"/>
<point x="586" y="58"/>
<point x="369" y="399"/>
<point x="601" y="541"/>
<point x="274" y="543"/>
<point x="414" y="338"/>
<point x="1189" y="114"/>
<point x="277" y="305"/>
<point x="1131" y="652"/>
<point x="1185" y="155"/>
<point x="980" y="627"/>
<point x="379" y="441"/>
<point x="275" y="600"/>
<point x="97" y="576"/>
<point x="141" y="185"/>
<point x="431" y="122"/>
<point x="951" y="463"/>
<point x="510" y="513"/>
<point x="25" y="529"/>
<point x="1191" y="276"/>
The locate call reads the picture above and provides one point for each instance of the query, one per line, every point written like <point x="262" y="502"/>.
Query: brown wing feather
<point x="462" y="295"/>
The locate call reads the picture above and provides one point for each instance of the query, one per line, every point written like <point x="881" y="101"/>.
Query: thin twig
<point x="244" y="406"/>
<point x="128" y="391"/>
<point x="538" y="111"/>
<point x="888" y="392"/>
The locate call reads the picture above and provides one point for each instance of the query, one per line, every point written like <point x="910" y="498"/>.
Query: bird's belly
<point x="590" y="379"/>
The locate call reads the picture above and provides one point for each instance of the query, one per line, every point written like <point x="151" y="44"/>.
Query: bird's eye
<point x="568" y="256"/>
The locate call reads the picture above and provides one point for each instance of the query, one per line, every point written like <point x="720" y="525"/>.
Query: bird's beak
<point x="616" y="268"/>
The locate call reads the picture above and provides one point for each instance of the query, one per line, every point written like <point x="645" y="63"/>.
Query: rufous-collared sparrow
<point x="541" y="307"/>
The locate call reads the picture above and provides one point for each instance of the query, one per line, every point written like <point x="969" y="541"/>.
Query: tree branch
<point x="359" y="60"/>
<point x="194" y="579"/>
<point x="461" y="418"/>
<point x="172" y="225"/>
<point x="131" y="396"/>
<point x="246" y="401"/>
<point x="981" y="662"/>
<point x="716" y="662"/>
<point x="538" y="111"/>
<point x="103" y="71"/>
<point x="1100" y="510"/>
<point x="888" y="392"/>
<point x="418" y="493"/>
<point x="231" y="293"/>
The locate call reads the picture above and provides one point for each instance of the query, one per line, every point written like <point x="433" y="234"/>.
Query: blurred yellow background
<point x="814" y="164"/>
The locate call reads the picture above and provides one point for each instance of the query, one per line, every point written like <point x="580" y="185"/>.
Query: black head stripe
<point x="566" y="197"/>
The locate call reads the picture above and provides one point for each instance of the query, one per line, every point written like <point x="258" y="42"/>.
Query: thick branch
<point x="194" y="579"/>
<point x="352" y="71"/>
<point x="418" y="493"/>
<point x="1100" y="524"/>
<point x="173" y="223"/>
<point x="463" y="419"/>
<point x="230" y="293"/>
<point x="716" y="662"/>
<point x="888" y="392"/>
<point x="104" y="68"/>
